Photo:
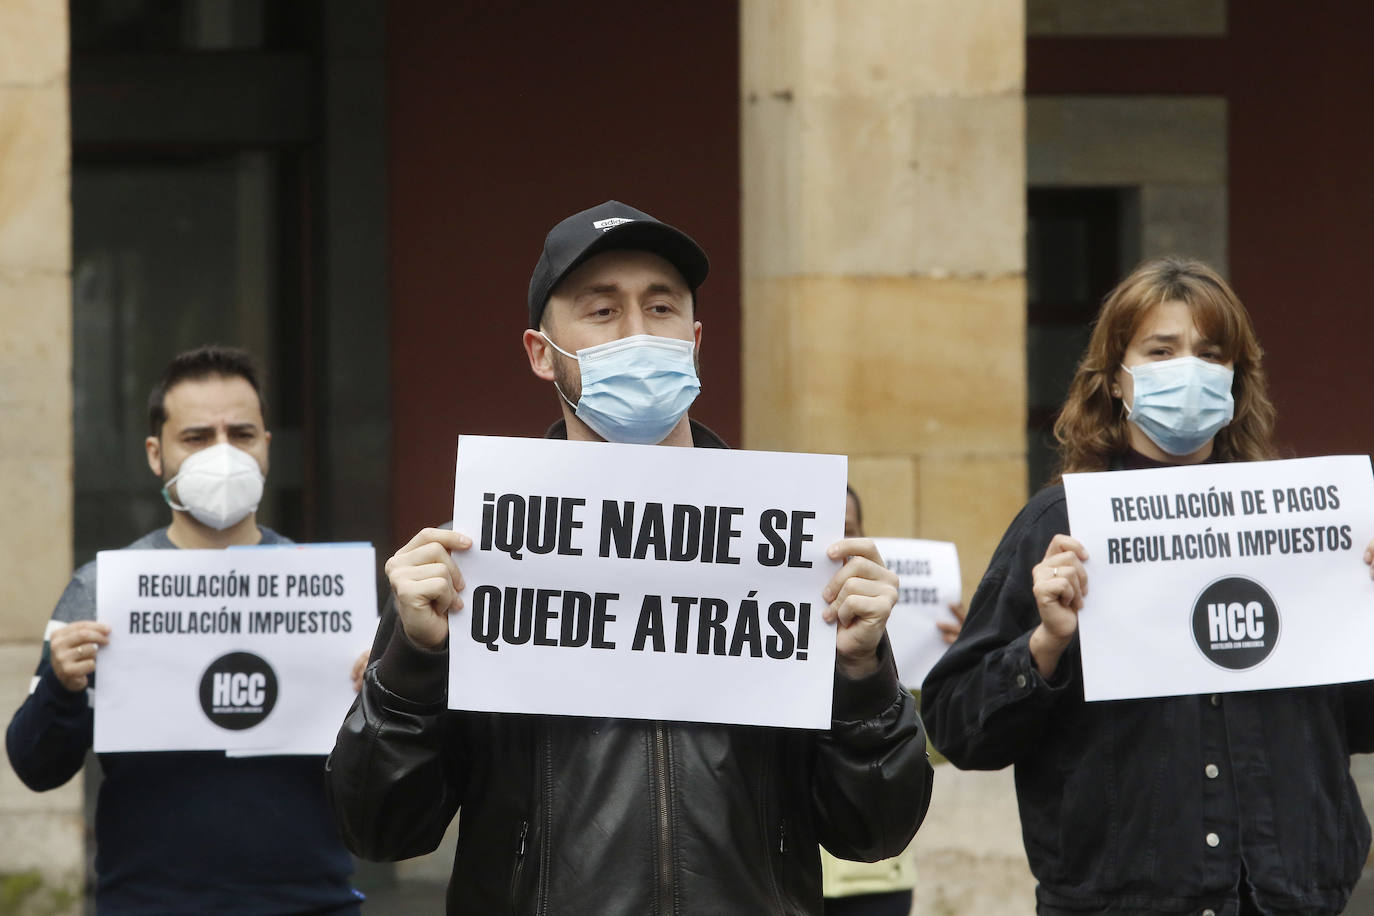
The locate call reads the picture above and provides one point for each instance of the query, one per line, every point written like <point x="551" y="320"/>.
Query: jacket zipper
<point x="519" y="864"/>
<point x="542" y="898"/>
<point x="665" y="827"/>
<point x="765" y="788"/>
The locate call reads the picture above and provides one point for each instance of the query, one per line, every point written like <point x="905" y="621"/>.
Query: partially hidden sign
<point x="645" y="582"/>
<point x="1225" y="577"/>
<point x="245" y="650"/>
<point x="928" y="583"/>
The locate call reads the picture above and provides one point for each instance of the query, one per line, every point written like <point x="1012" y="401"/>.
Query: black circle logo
<point x="1235" y="623"/>
<point x="238" y="690"/>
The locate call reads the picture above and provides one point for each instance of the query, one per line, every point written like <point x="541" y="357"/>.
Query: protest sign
<point x="928" y="583"/>
<point x="1225" y="577"/>
<point x="645" y="581"/>
<point x="242" y="650"/>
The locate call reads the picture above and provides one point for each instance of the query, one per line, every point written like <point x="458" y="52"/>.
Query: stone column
<point x="883" y="224"/>
<point x="41" y="836"/>
<point x="883" y="254"/>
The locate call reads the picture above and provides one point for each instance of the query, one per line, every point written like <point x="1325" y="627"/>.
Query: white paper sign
<point x="1225" y="577"/>
<point x="242" y="650"/>
<point x="928" y="583"/>
<point x="645" y="582"/>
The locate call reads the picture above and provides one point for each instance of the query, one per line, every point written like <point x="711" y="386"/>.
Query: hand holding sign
<point x="1234" y="576"/>
<point x="950" y="631"/>
<point x="427" y="582"/>
<point x="233" y="650"/>
<point x="861" y="595"/>
<point x="359" y="668"/>
<point x="1059" y="583"/>
<point x="72" y="649"/>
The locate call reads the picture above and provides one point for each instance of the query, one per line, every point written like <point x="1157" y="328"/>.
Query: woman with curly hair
<point x="1220" y="804"/>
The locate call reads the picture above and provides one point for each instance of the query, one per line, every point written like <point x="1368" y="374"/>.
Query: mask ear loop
<point x="167" y="495"/>
<point x="559" y="388"/>
<point x="1125" y="408"/>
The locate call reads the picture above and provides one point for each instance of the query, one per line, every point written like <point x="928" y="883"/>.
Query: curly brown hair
<point x="1091" y="427"/>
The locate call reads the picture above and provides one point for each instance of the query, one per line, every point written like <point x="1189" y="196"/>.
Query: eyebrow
<point x="206" y="428"/>
<point x="1177" y="338"/>
<point x="597" y="289"/>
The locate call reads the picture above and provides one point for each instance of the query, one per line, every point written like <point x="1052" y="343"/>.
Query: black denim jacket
<point x="1151" y="806"/>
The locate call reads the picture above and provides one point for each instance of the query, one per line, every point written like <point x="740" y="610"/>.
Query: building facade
<point x="912" y="208"/>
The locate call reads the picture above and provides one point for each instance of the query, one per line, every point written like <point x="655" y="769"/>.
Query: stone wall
<point x="883" y="254"/>
<point x="1170" y="150"/>
<point x="884" y="305"/>
<point x="41" y="836"/>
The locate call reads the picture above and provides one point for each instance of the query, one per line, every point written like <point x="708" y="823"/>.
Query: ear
<point x="1117" y="383"/>
<point x="540" y="354"/>
<point x="696" y="334"/>
<point x="153" y="447"/>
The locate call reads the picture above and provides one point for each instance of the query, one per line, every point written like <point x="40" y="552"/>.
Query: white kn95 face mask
<point x="219" y="486"/>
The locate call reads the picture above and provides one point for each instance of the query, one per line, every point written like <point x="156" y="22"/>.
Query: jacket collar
<point x="1131" y="460"/>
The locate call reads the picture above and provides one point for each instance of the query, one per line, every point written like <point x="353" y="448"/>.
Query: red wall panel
<point x="503" y="119"/>
<point x="1301" y="147"/>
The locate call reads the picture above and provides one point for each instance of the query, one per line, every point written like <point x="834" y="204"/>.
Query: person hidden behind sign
<point x="883" y="888"/>
<point x="607" y="816"/>
<point x="187" y="832"/>
<point x="1197" y="804"/>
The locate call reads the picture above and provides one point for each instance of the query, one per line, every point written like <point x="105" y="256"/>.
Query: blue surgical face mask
<point x="1181" y="403"/>
<point x="635" y="389"/>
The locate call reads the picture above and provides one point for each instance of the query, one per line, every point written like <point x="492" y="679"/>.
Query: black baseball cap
<point x="608" y="227"/>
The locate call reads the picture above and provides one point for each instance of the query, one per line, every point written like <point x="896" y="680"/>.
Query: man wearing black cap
<point x="569" y="815"/>
<point x="612" y="325"/>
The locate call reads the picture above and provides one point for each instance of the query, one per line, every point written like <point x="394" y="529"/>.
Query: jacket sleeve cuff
<point x="858" y="698"/>
<point x="1023" y="678"/>
<point x="59" y="696"/>
<point x="412" y="673"/>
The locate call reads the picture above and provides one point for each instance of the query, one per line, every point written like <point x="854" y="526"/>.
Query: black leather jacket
<point x="567" y="816"/>
<point x="1154" y="805"/>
